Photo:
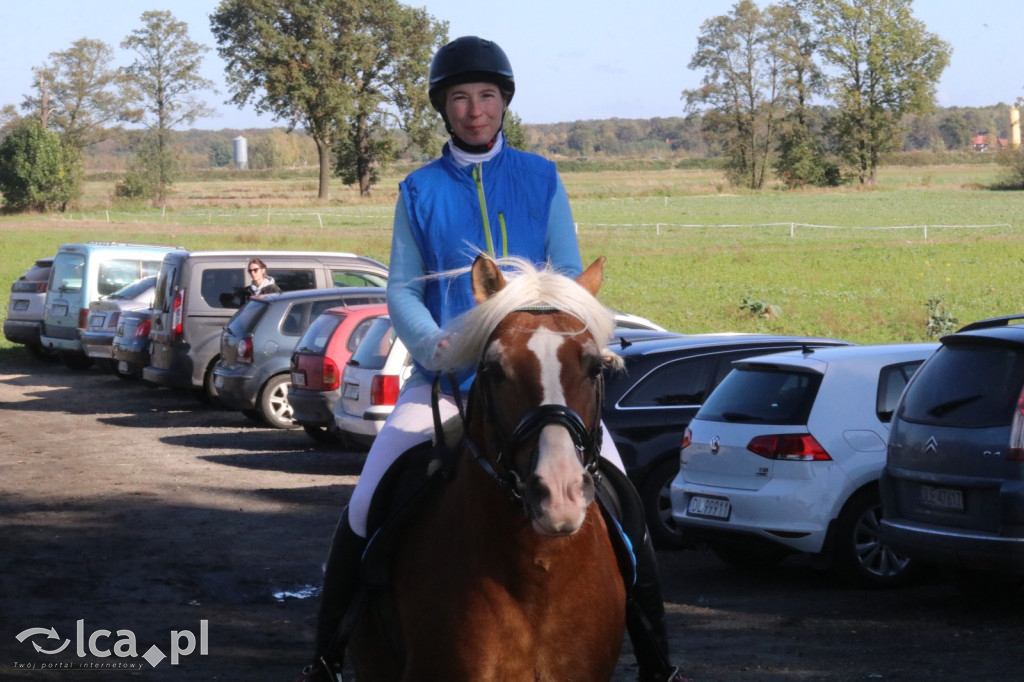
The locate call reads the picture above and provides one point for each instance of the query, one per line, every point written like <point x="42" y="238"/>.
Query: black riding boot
<point x="341" y="579"/>
<point x="645" y="618"/>
<point x="645" y="609"/>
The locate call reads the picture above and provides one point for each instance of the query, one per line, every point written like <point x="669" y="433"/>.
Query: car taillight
<point x="1016" y="451"/>
<point x="331" y="375"/>
<point x="112" y="322"/>
<point x="384" y="389"/>
<point x="83" y="318"/>
<point x="800" y="447"/>
<point x="245" y="349"/>
<point x="178" y="314"/>
<point x="687" y="438"/>
<point x="143" y="329"/>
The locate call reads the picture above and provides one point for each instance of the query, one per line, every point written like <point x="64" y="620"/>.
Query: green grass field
<point x="683" y="248"/>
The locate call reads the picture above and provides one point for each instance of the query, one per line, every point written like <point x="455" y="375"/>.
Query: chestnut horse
<point x="506" y="572"/>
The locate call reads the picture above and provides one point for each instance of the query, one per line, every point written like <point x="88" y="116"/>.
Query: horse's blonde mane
<point x="526" y="286"/>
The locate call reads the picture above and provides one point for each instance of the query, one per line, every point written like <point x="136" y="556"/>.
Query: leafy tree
<point x="221" y="153"/>
<point x="83" y="95"/>
<point x="333" y="66"/>
<point x="165" y="80"/>
<point x="37" y="170"/>
<point x="884" y="65"/>
<point x="742" y="93"/>
<point x="515" y="134"/>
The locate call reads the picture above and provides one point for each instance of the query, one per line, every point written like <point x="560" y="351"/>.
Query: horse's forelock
<point x="526" y="286"/>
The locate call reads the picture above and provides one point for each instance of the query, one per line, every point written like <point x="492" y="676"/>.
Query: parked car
<point x="785" y="456"/>
<point x="197" y="292"/>
<point x="105" y="314"/>
<point x="130" y="345"/>
<point x="648" y="404"/>
<point x="371" y="382"/>
<point x="953" y="485"/>
<point x="253" y="372"/>
<point x="318" y="362"/>
<point x="81" y="274"/>
<point x="25" y="308"/>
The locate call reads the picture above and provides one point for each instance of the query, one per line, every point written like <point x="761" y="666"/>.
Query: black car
<point x="650" y="401"/>
<point x="953" y="483"/>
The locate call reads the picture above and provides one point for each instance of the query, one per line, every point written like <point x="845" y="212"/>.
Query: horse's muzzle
<point x="558" y="509"/>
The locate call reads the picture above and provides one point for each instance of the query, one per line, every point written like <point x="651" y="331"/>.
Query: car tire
<point x="274" y="407"/>
<point x="861" y="558"/>
<point x="654" y="494"/>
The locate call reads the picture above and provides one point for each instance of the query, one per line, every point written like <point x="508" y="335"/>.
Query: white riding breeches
<point x="412" y="423"/>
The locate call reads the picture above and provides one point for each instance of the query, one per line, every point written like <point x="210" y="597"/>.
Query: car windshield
<point x="763" y="395"/>
<point x="971" y="385"/>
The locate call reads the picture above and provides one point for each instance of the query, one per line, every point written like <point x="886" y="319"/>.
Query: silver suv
<point x="953" y="484"/>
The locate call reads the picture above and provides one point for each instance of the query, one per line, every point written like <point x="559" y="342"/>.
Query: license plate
<point x="298" y="380"/>
<point x="97" y="320"/>
<point x="350" y="392"/>
<point x="711" y="507"/>
<point x="59" y="310"/>
<point x="941" y="498"/>
<point x="21" y="304"/>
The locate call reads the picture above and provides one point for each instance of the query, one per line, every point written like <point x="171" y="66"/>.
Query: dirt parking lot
<point x="138" y="520"/>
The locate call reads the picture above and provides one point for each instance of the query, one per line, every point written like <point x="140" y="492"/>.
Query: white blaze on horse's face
<point x="567" y="486"/>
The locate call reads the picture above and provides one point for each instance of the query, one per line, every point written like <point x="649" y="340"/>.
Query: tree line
<point x="806" y="91"/>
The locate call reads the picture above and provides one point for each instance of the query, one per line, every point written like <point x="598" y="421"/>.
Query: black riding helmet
<point x="469" y="60"/>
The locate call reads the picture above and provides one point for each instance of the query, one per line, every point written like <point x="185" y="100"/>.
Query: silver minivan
<point x="81" y="274"/>
<point x="197" y="292"/>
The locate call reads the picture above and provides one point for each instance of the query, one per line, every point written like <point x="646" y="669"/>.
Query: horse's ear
<point x="592" y="277"/>
<point x="487" y="278"/>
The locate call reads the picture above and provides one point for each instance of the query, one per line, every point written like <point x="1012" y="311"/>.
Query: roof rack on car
<point x="990" y="322"/>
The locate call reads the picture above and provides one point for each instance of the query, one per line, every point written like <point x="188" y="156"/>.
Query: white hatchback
<point x="371" y="382"/>
<point x="785" y="456"/>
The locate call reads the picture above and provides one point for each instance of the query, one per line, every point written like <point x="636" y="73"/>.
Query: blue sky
<point x="573" y="60"/>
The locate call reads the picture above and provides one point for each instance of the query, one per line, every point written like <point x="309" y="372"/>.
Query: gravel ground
<point x="139" y="519"/>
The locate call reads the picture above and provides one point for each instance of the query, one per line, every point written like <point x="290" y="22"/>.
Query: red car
<point x="319" y="361"/>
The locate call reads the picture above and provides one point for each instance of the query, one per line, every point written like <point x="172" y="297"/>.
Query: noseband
<point x="586" y="441"/>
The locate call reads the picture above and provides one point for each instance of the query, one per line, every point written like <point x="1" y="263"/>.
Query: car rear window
<point x="975" y="385"/>
<point x="373" y="350"/>
<point x="136" y="288"/>
<point x="247" y="317"/>
<point x="314" y="341"/>
<point x="761" y="394"/>
<point x="68" y="273"/>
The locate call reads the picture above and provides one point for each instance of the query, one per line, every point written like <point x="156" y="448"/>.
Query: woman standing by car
<point x="262" y="283"/>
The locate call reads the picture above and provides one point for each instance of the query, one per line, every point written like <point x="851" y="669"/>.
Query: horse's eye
<point x="594" y="367"/>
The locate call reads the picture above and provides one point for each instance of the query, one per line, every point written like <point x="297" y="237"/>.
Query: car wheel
<point x="208" y="392"/>
<point x="861" y="558"/>
<point x="274" y="406"/>
<point x="74" y="360"/>
<point x="654" y="493"/>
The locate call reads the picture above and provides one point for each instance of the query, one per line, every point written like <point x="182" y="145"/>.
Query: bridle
<point x="586" y="441"/>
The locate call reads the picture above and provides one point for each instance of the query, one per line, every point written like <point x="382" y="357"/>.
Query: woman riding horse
<point x="481" y="196"/>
